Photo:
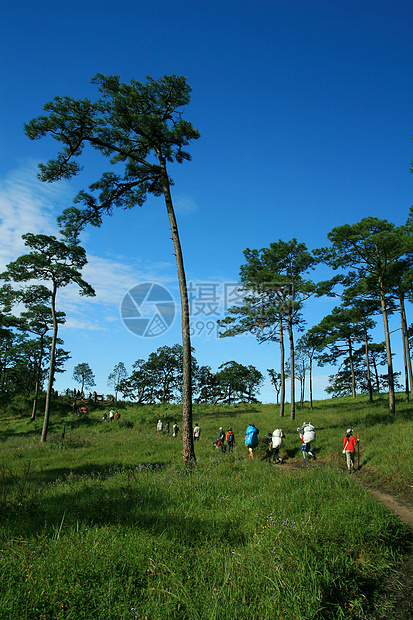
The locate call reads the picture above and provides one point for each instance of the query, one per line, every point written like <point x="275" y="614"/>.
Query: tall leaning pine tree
<point x="139" y="127"/>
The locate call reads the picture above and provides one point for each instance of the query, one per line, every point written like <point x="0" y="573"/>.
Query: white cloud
<point x="85" y="324"/>
<point x="111" y="279"/>
<point x="111" y="319"/>
<point x="27" y="205"/>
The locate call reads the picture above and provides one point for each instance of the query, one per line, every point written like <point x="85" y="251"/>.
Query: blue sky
<point x="305" y="115"/>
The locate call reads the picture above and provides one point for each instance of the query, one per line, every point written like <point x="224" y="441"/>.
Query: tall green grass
<point x="107" y="522"/>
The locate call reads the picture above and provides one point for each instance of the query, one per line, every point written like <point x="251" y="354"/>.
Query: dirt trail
<point x="403" y="609"/>
<point x="404" y="512"/>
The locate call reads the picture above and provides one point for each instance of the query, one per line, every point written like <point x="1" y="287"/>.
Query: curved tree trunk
<point x="187" y="439"/>
<point x="376" y="375"/>
<point x="51" y="367"/>
<point x="39" y="371"/>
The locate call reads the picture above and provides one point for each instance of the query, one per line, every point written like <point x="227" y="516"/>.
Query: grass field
<point x="107" y="523"/>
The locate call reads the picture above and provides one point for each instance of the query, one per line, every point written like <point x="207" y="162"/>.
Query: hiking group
<point x="275" y="441"/>
<point x="229" y="437"/>
<point x="113" y="415"/>
<point x="306" y="432"/>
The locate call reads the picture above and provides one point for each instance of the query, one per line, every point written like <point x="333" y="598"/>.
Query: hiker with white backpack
<point x="307" y="435"/>
<point x="276" y="443"/>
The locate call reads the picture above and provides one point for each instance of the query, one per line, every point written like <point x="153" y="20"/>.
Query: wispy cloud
<point x="83" y="323"/>
<point x="185" y="204"/>
<point x="111" y="279"/>
<point x="27" y="205"/>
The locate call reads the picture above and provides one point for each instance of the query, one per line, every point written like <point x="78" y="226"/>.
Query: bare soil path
<point x="404" y="582"/>
<point x="404" y="512"/>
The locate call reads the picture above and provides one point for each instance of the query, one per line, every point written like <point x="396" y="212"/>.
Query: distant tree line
<point x="159" y="379"/>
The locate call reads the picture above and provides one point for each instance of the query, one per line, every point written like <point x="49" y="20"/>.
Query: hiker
<point x="276" y="443"/>
<point x="105" y="417"/>
<point x="159" y="427"/>
<point x="175" y="430"/>
<point x="111" y="415"/>
<point x="349" y="447"/>
<point x="251" y="439"/>
<point x="307" y="435"/>
<point x="268" y="454"/>
<point x="117" y="415"/>
<point x="221" y="439"/>
<point x="168" y="427"/>
<point x="230" y="437"/>
<point x="197" y="432"/>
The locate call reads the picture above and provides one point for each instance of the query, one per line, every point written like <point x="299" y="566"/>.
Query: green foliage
<point x="374" y="256"/>
<point x="137" y="125"/>
<point x="83" y="374"/>
<point x="159" y="379"/>
<point x="273" y="280"/>
<point x="236" y="382"/>
<point x="50" y="260"/>
<point x="118" y="374"/>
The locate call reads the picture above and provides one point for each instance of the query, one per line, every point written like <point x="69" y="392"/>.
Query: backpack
<point x="308" y="433"/>
<point x="251" y="437"/>
<point x="277" y="441"/>
<point x="230" y="436"/>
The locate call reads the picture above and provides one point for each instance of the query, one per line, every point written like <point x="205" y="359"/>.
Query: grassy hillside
<point x="107" y="522"/>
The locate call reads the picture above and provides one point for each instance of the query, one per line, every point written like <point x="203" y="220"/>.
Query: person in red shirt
<point x="349" y="447"/>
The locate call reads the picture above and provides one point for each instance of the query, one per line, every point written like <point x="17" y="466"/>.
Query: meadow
<point x="107" y="523"/>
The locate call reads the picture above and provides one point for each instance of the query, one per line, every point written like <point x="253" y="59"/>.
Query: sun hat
<point x="349" y="430"/>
